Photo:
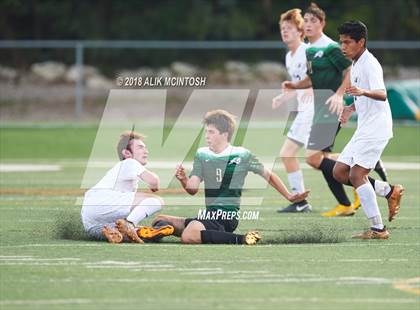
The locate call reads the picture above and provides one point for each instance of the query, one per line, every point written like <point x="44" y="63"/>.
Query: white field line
<point x="194" y="201"/>
<point x="135" y="246"/>
<point x="36" y="259"/>
<point x="152" y="267"/>
<point x="206" y="301"/>
<point x="28" y="167"/>
<point x="37" y="198"/>
<point x="46" y="209"/>
<point x="161" y="266"/>
<point x="279" y="279"/>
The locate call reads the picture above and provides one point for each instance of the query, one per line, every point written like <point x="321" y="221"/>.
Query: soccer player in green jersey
<point x="327" y="72"/>
<point x="223" y="168"/>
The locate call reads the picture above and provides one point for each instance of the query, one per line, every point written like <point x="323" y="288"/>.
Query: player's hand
<point x="345" y="115"/>
<point x="335" y="103"/>
<point x="308" y="96"/>
<point x="298" y="197"/>
<point x="277" y="101"/>
<point x="180" y="173"/>
<point x="354" y="91"/>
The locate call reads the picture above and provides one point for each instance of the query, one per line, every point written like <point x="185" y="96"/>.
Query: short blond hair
<point x="222" y="120"/>
<point x="124" y="141"/>
<point x="294" y="16"/>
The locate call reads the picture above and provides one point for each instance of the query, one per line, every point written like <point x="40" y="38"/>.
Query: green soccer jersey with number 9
<point x="224" y="175"/>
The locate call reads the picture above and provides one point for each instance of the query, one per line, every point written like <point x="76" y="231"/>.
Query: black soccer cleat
<point x="297" y="207"/>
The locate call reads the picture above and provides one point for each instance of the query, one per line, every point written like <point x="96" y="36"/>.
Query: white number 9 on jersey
<point x="219" y="175"/>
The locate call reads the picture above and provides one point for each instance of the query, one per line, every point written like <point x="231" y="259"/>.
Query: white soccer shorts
<point x="300" y="130"/>
<point x="364" y="153"/>
<point x="104" y="207"/>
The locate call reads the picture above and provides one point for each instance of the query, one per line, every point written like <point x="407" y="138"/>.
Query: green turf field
<point x="303" y="262"/>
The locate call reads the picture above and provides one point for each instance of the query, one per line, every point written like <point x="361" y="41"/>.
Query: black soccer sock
<point x="371" y="181"/>
<point x="221" y="237"/>
<point x="381" y="171"/>
<point x="327" y="166"/>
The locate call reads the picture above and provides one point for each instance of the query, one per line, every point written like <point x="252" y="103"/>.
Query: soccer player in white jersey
<point x="113" y="207"/>
<point x="291" y="29"/>
<point x="374" y="129"/>
<point x="328" y="69"/>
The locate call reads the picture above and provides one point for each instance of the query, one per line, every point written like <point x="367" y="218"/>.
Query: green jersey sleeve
<point x="337" y="58"/>
<point x="254" y="165"/>
<point x="197" y="167"/>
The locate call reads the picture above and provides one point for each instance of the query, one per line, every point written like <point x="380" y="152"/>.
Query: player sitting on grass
<point x="113" y="207"/>
<point x="374" y="129"/>
<point x="223" y="168"/>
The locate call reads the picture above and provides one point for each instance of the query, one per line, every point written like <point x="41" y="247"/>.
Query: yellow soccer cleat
<point x="356" y="204"/>
<point x="252" y="237"/>
<point x="155" y="233"/>
<point x="340" y="210"/>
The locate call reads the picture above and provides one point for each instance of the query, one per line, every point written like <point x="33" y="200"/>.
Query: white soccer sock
<point x="382" y="188"/>
<point x="146" y="208"/>
<point x="370" y="205"/>
<point x="296" y="181"/>
<point x="376" y="222"/>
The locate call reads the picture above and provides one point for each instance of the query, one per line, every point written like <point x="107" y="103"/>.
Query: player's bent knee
<point x="191" y="236"/>
<point x="162" y="202"/>
<point x="285" y="153"/>
<point x="312" y="161"/>
<point x="356" y="179"/>
<point x="339" y="175"/>
<point x="192" y="233"/>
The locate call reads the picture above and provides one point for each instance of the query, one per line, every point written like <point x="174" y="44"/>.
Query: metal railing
<point x="79" y="47"/>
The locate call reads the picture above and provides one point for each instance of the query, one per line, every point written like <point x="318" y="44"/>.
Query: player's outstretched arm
<point x="378" y="94"/>
<point x="151" y="179"/>
<point x="284" y="97"/>
<point x="275" y="181"/>
<point x="191" y="185"/>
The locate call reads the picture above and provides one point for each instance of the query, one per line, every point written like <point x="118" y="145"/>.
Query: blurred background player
<point x="374" y="129"/>
<point x="223" y="169"/>
<point x="113" y="207"/>
<point x="291" y="29"/>
<point x="328" y="70"/>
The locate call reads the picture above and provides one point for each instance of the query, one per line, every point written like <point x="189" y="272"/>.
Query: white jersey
<point x="374" y="120"/>
<point x="112" y="197"/>
<point x="296" y="63"/>
<point x="296" y="68"/>
<point x="123" y="177"/>
<point x="323" y="41"/>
